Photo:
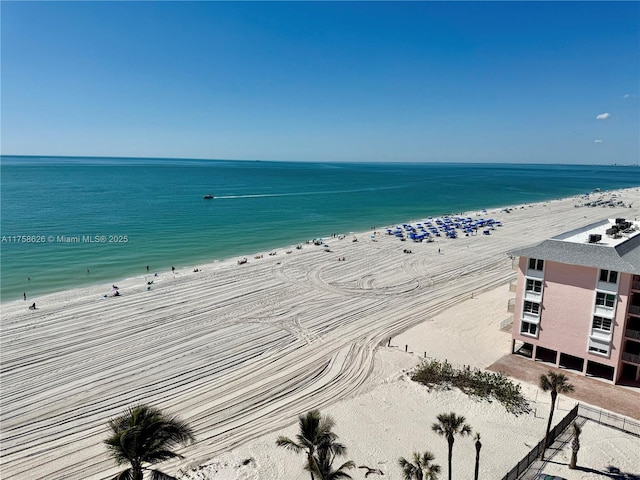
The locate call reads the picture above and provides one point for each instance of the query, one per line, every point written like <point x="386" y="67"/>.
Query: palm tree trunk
<point x="310" y="462"/>
<point x="477" y="469"/>
<point x="450" y="456"/>
<point x="546" y="437"/>
<point x="137" y="473"/>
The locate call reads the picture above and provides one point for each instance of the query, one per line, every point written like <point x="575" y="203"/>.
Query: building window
<point x="531" y="307"/>
<point x="603" y="324"/>
<point x="599" y="349"/>
<point x="528" y="328"/>
<point x="534" y="285"/>
<point x="536" y="264"/>
<point x="605" y="299"/>
<point x="608" y="276"/>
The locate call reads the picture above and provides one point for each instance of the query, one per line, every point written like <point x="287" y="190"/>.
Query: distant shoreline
<point x="159" y="208"/>
<point x="214" y="264"/>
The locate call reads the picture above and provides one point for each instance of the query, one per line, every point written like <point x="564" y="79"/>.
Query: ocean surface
<point x="69" y="222"/>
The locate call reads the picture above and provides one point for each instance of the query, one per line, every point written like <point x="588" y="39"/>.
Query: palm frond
<point x="288" y="444"/>
<point x="158" y="475"/>
<point x="124" y="475"/>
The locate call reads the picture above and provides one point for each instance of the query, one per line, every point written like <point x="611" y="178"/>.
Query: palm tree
<point x="144" y="435"/>
<point x="555" y="383"/>
<point x="421" y="468"/>
<point x="449" y="425"/>
<point x="478" y="447"/>
<point x="315" y="436"/>
<point x="323" y="465"/>
<point x="575" y="445"/>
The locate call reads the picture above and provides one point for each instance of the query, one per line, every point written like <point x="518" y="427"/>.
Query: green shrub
<point x="476" y="383"/>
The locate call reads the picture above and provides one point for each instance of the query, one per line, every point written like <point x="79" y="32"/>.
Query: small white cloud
<point x="597" y="141"/>
<point x="603" y="116"/>
<point x="626" y="95"/>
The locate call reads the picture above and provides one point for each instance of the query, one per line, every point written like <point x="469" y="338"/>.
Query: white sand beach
<point x="238" y="351"/>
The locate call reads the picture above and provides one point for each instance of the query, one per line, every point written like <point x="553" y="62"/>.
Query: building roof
<point x="611" y="252"/>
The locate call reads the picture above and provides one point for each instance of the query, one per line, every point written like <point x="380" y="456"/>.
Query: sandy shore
<point x="239" y="350"/>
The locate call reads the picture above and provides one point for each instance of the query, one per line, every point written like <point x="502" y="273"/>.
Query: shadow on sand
<point x="609" y="472"/>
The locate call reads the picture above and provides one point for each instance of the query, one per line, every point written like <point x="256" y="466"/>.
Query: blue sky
<point x="536" y="82"/>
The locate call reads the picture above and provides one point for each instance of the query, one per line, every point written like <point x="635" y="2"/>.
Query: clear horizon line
<point x="314" y="161"/>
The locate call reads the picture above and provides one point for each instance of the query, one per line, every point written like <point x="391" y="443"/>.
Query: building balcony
<point x="635" y="334"/>
<point x="635" y="285"/>
<point x="634" y="310"/>
<point x="630" y="357"/>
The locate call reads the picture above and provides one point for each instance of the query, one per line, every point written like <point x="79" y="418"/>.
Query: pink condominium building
<point x="577" y="301"/>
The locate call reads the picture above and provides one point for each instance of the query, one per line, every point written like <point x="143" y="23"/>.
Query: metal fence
<point x="609" y="419"/>
<point x="523" y="464"/>
<point x="596" y="415"/>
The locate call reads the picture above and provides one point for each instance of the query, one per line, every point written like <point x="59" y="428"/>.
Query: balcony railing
<point x="630" y="357"/>
<point x="635" y="285"/>
<point x="511" y="305"/>
<point x="635" y="334"/>
<point x="634" y="309"/>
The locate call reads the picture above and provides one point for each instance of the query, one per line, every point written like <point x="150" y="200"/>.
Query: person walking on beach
<point x="173" y="269"/>
<point x="25" y="296"/>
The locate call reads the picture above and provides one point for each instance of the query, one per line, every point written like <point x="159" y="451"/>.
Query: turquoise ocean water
<point x="139" y="212"/>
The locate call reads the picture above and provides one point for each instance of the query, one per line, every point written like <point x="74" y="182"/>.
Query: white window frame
<point x="532" y="310"/>
<point x="534" y="281"/>
<point x="527" y="333"/>
<point x="606" y="296"/>
<point x="607" y="285"/>
<point x="599" y="347"/>
<point x="608" y="274"/>
<point x="538" y="264"/>
<point x="597" y="319"/>
<point x="537" y="271"/>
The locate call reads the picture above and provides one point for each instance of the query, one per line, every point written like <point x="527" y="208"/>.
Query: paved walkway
<point x="621" y="400"/>
<point x="537" y="467"/>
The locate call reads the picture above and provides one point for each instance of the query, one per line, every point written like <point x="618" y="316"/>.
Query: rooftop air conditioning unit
<point x="595" y="238"/>
<point x="620" y="220"/>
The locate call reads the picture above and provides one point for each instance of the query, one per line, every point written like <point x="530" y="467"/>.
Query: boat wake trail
<point x="302" y="194"/>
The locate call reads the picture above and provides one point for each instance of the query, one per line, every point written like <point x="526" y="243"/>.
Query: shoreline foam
<point x="220" y="263"/>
